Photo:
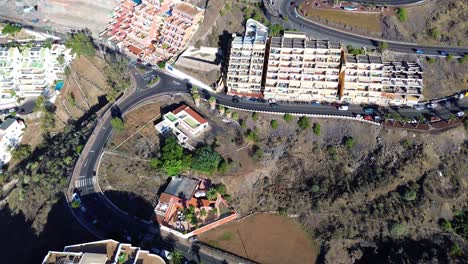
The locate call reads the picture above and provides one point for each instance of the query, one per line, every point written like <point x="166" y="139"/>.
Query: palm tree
<point x="212" y="101"/>
<point x="196" y="98"/>
<point x="194" y="90"/>
<point x="176" y="257"/>
<point x="221" y="109"/>
<point x="228" y="113"/>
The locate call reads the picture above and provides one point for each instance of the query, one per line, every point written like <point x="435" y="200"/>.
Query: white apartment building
<point x="247" y="57"/>
<point x="11" y="133"/>
<point x="183" y="122"/>
<point x="27" y="73"/>
<point x="369" y="80"/>
<point x="302" y="70"/>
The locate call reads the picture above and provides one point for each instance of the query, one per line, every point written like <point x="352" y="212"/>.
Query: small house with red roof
<point x="190" y="206"/>
<point x="183" y="122"/>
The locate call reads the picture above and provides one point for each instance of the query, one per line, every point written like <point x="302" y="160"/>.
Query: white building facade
<point x="11" y="133"/>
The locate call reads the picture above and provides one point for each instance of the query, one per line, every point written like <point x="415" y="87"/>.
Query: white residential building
<point x="246" y="61"/>
<point x="302" y="70"/>
<point x="28" y="73"/>
<point x="369" y="80"/>
<point x="11" y="133"/>
<point x="183" y="122"/>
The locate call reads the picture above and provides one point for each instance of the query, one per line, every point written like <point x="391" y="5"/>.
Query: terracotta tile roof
<point x="186" y="8"/>
<point x="134" y="49"/>
<point x="190" y="112"/>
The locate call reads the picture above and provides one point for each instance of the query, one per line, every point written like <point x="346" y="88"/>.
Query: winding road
<point x="303" y="24"/>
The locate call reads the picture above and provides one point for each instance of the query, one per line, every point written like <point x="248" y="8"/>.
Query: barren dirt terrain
<point x="265" y="238"/>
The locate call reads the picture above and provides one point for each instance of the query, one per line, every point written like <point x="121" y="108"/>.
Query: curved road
<point x="300" y="22"/>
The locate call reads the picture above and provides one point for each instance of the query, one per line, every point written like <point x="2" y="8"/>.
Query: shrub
<point x="252" y="136"/>
<point x="258" y="154"/>
<point x="11" y="29"/>
<point x="206" y="160"/>
<point x="397" y="230"/>
<point x="431" y="60"/>
<point x="446" y="225"/>
<point x="235" y="116"/>
<point x="435" y="34"/>
<point x="349" y="142"/>
<point x="450" y="57"/>
<point x="276" y="30"/>
<point x="161" y="64"/>
<point x="242" y="123"/>
<point x="21" y="152"/>
<point x="455" y="250"/>
<point x="315" y="188"/>
<point x="406" y="144"/>
<point x="409" y="195"/>
<point x="274" y="124"/>
<point x="463" y="59"/>
<point x="118" y="124"/>
<point x="303" y="122"/>
<point x="255" y="116"/>
<point x="402" y="14"/>
<point x="223" y="166"/>
<point x="288" y="117"/>
<point x="317" y="129"/>
<point x="383" y="46"/>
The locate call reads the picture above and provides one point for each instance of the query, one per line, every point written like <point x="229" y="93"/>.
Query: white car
<point x="343" y="108"/>
<point x="460" y="114"/>
<point x="431" y="105"/>
<point x="418" y="107"/>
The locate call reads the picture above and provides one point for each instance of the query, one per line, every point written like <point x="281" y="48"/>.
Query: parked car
<point x="261" y="100"/>
<point x="235" y="99"/>
<point x="460" y="114"/>
<point x="315" y="103"/>
<point x="343" y="108"/>
<point x="274" y="105"/>
<point x="431" y="105"/>
<point x="253" y="99"/>
<point x="193" y="239"/>
<point x="369" y="110"/>
<point x="435" y="119"/>
<point x="461" y="96"/>
<point x="377" y="118"/>
<point x="443" y="53"/>
<point x="358" y="116"/>
<point x="418" y="107"/>
<point x="368" y="118"/>
<point x="420" y="51"/>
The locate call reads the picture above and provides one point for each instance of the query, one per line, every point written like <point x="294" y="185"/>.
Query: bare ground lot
<point x="370" y="22"/>
<point x="265" y="238"/>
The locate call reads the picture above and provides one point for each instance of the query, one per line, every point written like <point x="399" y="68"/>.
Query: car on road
<point x="261" y="100"/>
<point x="368" y="118"/>
<point x="315" y="103"/>
<point x="418" y="107"/>
<point x="343" y="108"/>
<point x="446" y="103"/>
<point x="431" y="105"/>
<point x="419" y="51"/>
<point x="193" y="239"/>
<point x="83" y="209"/>
<point x="460" y="114"/>
<point x="274" y="105"/>
<point x="443" y="53"/>
<point x="460" y="96"/>
<point x="358" y="116"/>
<point x="235" y="99"/>
<point x="369" y="110"/>
<point x="253" y="99"/>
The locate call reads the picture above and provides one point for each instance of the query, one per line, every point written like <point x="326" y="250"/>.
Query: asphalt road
<point x="300" y="23"/>
<point x="389" y="2"/>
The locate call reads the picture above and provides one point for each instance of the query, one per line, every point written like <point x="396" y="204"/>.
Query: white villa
<point x="28" y="73"/>
<point x="11" y="133"/>
<point x="184" y="123"/>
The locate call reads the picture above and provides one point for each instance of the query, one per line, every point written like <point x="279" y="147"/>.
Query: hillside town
<point x="227" y="131"/>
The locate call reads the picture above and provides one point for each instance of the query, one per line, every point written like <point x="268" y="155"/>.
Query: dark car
<point x="261" y="100"/>
<point x="419" y="51"/>
<point x="274" y="105"/>
<point x="369" y="110"/>
<point x="235" y="99"/>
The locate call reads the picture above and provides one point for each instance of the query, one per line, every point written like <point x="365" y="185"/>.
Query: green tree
<point x="61" y="59"/>
<point x="274" y="124"/>
<point x="235" y="116"/>
<point x="463" y="59"/>
<point x="155" y="163"/>
<point x="460" y="223"/>
<point x="435" y="34"/>
<point x="47" y="43"/>
<point x="288" y="117"/>
<point x="223" y="166"/>
<point x="317" y="129"/>
<point x="450" y="57"/>
<point x="11" y="29"/>
<point x="303" y="122"/>
<point x="315" y="188"/>
<point x="402" y="14"/>
<point x="242" y="123"/>
<point x="81" y="44"/>
<point x="118" y="124"/>
<point x="206" y="160"/>
<point x="161" y="64"/>
<point x="21" y="152"/>
<point x="173" y="159"/>
<point x="276" y="30"/>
